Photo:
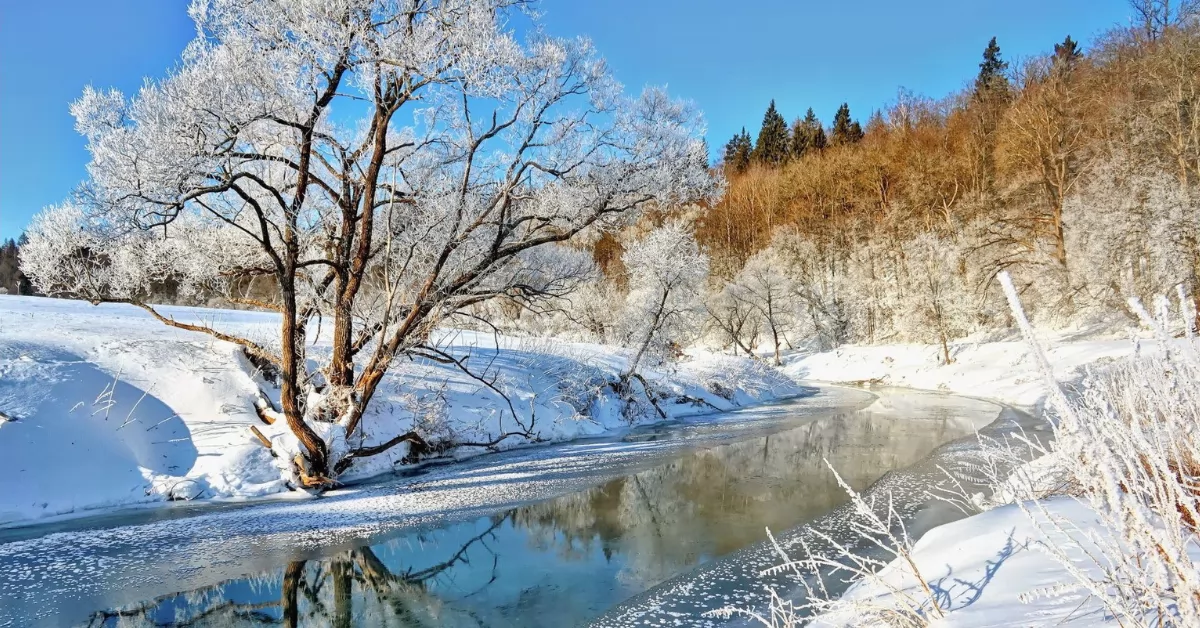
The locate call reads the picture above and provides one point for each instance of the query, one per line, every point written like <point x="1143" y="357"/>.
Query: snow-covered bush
<point x="1132" y="231"/>
<point x="878" y="547"/>
<point x="1130" y="443"/>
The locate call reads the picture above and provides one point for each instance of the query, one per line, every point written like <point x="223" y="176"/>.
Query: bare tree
<point x="386" y="163"/>
<point x="1157" y="16"/>
<point x="766" y="289"/>
<point x="1046" y="135"/>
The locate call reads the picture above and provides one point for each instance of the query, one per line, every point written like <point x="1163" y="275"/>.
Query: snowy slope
<point x="112" y="408"/>
<point x="990" y="571"/>
<point x="1003" y="371"/>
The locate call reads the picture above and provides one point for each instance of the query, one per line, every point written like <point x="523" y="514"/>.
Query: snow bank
<point x="1003" y="371"/>
<point x="990" y="570"/>
<point x="111" y="408"/>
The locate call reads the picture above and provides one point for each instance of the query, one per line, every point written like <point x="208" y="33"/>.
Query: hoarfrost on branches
<point x="373" y="165"/>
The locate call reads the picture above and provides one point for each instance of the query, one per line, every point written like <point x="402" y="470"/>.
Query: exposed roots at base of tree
<point x="266" y="368"/>
<point x="695" y="401"/>
<point x="309" y="479"/>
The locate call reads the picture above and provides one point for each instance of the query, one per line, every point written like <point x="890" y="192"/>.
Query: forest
<point x="1075" y="171"/>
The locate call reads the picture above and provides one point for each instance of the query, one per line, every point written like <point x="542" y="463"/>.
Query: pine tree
<point x="845" y="130"/>
<point x="991" y="79"/>
<point x="856" y="132"/>
<point x="807" y="135"/>
<point x="774" y="145"/>
<point x="819" y="140"/>
<point x="10" y="273"/>
<point x="1066" y="56"/>
<point x="737" y="152"/>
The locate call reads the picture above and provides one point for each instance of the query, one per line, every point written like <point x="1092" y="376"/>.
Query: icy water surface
<point x="652" y="528"/>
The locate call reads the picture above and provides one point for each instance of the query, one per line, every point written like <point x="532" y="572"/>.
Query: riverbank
<point x="107" y="408"/>
<point x="1001" y="371"/>
<point x="1017" y="563"/>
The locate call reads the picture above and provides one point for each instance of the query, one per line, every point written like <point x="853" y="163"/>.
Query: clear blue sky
<point x="731" y="58"/>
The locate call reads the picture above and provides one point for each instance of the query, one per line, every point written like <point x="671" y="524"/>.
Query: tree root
<point x="696" y="401"/>
<point x="315" y="481"/>
<point x="265" y="408"/>
<point x="649" y="394"/>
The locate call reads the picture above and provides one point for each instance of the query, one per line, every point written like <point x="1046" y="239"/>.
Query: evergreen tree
<point x="807" y="135"/>
<point x="737" y="152"/>
<point x="991" y="79"/>
<point x="820" y="140"/>
<point x="856" y="132"/>
<point x="11" y="277"/>
<point x="845" y="130"/>
<point x="1066" y="56"/>
<point x="774" y="144"/>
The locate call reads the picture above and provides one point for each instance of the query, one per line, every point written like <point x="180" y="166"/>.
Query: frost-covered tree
<point x="733" y="321"/>
<point x="814" y="282"/>
<point x="383" y="163"/>
<point x="765" y="288"/>
<point x="935" y="305"/>
<point x="667" y="272"/>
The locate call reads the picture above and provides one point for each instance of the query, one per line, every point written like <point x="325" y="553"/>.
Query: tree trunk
<point x="316" y="453"/>
<point x="637" y="358"/>
<point x="775" y="338"/>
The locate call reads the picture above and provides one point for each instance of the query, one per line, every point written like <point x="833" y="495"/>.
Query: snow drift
<point x="106" y="407"/>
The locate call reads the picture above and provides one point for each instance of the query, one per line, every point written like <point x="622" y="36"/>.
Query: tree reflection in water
<point x="351" y="588"/>
<point x="565" y="560"/>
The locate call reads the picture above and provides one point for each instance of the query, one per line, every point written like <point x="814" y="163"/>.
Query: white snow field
<point x="1001" y="371"/>
<point x="105" y="407"/>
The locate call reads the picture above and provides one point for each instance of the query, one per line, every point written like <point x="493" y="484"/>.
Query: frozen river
<point x="639" y="529"/>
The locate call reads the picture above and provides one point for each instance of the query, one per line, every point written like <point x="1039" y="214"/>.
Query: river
<point x="644" y="528"/>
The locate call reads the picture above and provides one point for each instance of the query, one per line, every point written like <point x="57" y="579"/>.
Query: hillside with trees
<point x="1076" y="171"/>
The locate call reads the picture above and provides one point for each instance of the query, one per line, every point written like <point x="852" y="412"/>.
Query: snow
<point x="110" y="408"/>
<point x="990" y="570"/>
<point x="1002" y="371"/>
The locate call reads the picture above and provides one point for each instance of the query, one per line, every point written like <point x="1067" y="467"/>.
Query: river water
<point x="648" y="528"/>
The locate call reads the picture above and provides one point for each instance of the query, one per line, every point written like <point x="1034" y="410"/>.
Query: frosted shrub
<point x="1130" y="444"/>
<point x="879" y="549"/>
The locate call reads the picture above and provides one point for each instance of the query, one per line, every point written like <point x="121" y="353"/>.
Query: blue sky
<point x="731" y="58"/>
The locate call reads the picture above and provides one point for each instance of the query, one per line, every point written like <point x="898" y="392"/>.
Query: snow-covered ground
<point x="107" y="407"/>
<point x="990" y="570"/>
<point x="1002" y="371"/>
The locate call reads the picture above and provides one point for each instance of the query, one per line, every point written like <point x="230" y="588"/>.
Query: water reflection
<point x="565" y="561"/>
